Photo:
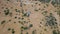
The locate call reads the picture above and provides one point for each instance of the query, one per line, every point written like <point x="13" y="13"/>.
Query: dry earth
<point x="33" y="17"/>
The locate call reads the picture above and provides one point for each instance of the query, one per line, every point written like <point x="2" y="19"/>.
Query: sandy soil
<point x="13" y="19"/>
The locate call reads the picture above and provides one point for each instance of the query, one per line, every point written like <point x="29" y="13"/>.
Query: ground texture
<point x="29" y="17"/>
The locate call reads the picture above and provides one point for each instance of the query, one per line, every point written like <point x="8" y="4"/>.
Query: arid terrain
<point x="29" y="17"/>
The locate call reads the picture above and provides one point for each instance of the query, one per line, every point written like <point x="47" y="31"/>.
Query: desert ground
<point x="29" y="17"/>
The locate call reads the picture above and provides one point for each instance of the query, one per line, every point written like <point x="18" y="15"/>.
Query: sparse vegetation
<point x="2" y="22"/>
<point x="51" y="20"/>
